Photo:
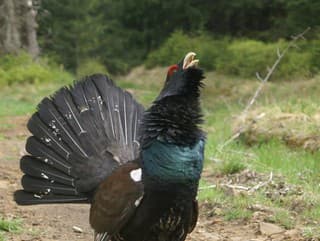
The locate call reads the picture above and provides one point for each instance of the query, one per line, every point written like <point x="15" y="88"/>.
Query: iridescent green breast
<point x="171" y="163"/>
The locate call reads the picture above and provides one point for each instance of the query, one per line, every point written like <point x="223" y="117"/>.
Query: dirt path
<point x="56" y="222"/>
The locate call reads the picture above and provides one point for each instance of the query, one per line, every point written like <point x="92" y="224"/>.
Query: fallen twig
<point x="236" y="187"/>
<point x="260" y="185"/>
<point x="240" y="187"/>
<point x="207" y="187"/>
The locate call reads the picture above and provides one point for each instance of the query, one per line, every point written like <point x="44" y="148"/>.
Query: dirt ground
<point x="61" y="222"/>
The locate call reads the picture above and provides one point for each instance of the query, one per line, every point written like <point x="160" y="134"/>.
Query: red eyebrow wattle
<point x="172" y="68"/>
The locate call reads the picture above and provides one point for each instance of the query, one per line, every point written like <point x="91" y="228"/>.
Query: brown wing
<point x="116" y="199"/>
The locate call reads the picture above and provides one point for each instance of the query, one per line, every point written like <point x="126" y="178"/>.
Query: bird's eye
<point x="172" y="69"/>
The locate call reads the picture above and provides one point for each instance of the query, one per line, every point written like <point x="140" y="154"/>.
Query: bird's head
<point x="183" y="79"/>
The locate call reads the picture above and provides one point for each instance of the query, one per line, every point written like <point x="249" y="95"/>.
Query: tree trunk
<point x="18" y="27"/>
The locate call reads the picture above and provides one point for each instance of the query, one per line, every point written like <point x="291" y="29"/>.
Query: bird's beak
<point x="189" y="61"/>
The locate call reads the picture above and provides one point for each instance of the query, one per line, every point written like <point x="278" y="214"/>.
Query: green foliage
<point x="209" y="50"/>
<point x="238" y="57"/>
<point x="172" y="50"/>
<point x="123" y="33"/>
<point x="314" y="49"/>
<point x="120" y="33"/>
<point x="299" y="15"/>
<point x="246" y="57"/>
<point x="68" y="30"/>
<point x="23" y="69"/>
<point x="90" y="66"/>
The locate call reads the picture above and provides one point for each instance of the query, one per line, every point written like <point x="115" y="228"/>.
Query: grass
<point x="312" y="233"/>
<point x="9" y="226"/>
<point x="23" y="99"/>
<point x="223" y="99"/>
<point x="284" y="218"/>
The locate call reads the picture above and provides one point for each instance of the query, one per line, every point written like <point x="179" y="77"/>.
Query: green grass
<point x="223" y="99"/>
<point x="9" y="226"/>
<point x="23" y="99"/>
<point x="283" y="218"/>
<point x="312" y="233"/>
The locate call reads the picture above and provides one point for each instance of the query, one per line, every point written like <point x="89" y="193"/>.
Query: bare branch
<point x="278" y="52"/>
<point x="258" y="76"/>
<point x="243" y="115"/>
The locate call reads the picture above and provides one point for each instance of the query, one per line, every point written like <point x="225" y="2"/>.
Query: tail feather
<point x="39" y="149"/>
<point x="35" y="168"/>
<point x="38" y="128"/>
<point x="26" y="198"/>
<point x="95" y="115"/>
<point x="85" y="128"/>
<point x="80" y="135"/>
<point x="124" y="115"/>
<point x="52" y="117"/>
<point x="42" y="186"/>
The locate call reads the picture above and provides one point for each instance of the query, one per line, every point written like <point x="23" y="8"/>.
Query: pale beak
<point x="189" y="61"/>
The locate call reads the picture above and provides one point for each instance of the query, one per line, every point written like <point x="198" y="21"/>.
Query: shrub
<point x="210" y="51"/>
<point x="23" y="69"/>
<point x="296" y="63"/>
<point x="246" y="57"/>
<point x="239" y="57"/>
<point x="90" y="66"/>
<point x="314" y="48"/>
<point x="178" y="44"/>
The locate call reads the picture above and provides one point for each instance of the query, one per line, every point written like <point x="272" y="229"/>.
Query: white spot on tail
<point x="83" y="109"/>
<point x="117" y="159"/>
<point x="136" y="175"/>
<point x="137" y="202"/>
<point x="37" y="196"/>
<point x="44" y="175"/>
<point x="47" y="140"/>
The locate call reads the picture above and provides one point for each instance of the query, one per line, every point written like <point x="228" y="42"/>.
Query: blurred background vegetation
<point x="231" y="37"/>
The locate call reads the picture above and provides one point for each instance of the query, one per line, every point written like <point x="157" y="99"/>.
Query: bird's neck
<point x="172" y="145"/>
<point x="174" y="120"/>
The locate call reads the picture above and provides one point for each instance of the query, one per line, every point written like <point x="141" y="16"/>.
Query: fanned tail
<point x="80" y="135"/>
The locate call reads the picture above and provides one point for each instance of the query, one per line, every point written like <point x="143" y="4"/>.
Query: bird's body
<point x="139" y="169"/>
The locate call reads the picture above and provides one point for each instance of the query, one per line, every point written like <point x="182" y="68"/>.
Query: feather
<point x="47" y="135"/>
<point x="26" y="198"/>
<point x="35" y="168"/>
<point x="47" y="155"/>
<point x="41" y="186"/>
<point x="80" y="135"/>
<point x="101" y="236"/>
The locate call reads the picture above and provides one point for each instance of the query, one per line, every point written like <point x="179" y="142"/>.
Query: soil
<point x="70" y="221"/>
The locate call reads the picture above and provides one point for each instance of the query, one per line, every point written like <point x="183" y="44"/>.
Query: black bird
<point x="139" y="170"/>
